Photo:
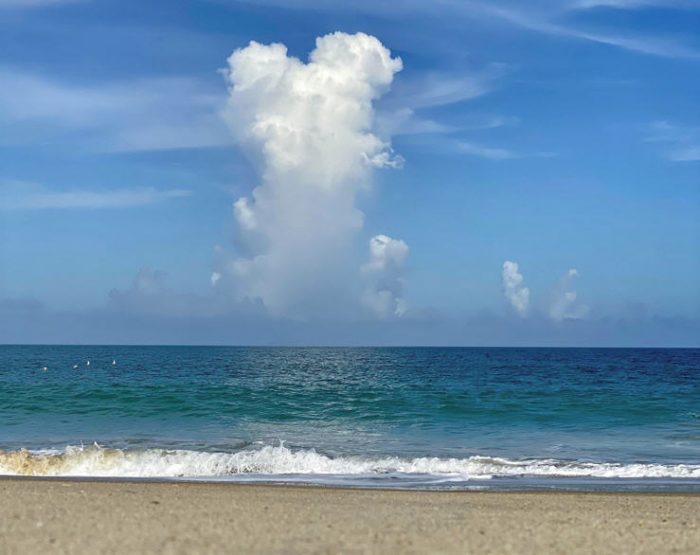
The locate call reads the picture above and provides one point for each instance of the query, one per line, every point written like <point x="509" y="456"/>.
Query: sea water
<point x="385" y="417"/>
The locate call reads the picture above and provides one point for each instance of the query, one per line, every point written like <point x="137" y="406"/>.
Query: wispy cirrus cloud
<point x="491" y="153"/>
<point x="29" y="196"/>
<point x="25" y="4"/>
<point x="145" y="114"/>
<point x="690" y="153"/>
<point x="534" y="20"/>
<point x="681" y="142"/>
<point x="497" y="153"/>
<point x="548" y="17"/>
<point x="633" y="4"/>
<point x="406" y="122"/>
<point x="432" y="89"/>
<point x="403" y="111"/>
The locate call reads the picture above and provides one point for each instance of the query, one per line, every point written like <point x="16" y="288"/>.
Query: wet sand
<point x="55" y="516"/>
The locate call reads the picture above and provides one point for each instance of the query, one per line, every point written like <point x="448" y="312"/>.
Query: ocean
<point x="432" y="418"/>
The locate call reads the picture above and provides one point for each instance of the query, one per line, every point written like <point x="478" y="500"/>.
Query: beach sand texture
<point x="56" y="516"/>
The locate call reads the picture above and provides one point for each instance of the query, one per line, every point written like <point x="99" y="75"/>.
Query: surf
<point x="278" y="461"/>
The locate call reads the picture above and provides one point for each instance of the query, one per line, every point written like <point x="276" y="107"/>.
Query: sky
<point x="391" y="173"/>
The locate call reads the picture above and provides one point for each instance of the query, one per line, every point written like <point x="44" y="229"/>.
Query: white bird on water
<point x="75" y="366"/>
<point x="114" y="363"/>
<point x="45" y="368"/>
<point x="88" y="363"/>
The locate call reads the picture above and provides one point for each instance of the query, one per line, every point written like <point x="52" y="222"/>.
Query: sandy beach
<point x="56" y="516"/>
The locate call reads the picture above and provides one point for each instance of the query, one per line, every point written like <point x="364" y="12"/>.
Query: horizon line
<point x="333" y="346"/>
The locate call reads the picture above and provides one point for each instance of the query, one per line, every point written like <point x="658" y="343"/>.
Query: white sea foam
<point x="278" y="461"/>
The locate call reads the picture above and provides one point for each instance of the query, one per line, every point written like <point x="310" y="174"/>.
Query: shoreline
<point x="634" y="486"/>
<point x="126" y="516"/>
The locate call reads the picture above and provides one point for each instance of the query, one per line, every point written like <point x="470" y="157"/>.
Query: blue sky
<point x="557" y="134"/>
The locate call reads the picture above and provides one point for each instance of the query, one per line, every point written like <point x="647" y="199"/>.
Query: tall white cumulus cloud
<point x="514" y="289"/>
<point x="309" y="128"/>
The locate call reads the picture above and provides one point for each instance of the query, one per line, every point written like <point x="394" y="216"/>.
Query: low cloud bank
<point x="28" y="321"/>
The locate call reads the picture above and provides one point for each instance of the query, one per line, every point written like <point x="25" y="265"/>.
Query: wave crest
<point x="270" y="461"/>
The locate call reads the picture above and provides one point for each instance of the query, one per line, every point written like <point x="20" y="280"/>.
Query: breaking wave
<point x="278" y="461"/>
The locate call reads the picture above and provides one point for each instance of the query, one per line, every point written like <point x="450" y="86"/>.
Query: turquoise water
<point x="406" y="417"/>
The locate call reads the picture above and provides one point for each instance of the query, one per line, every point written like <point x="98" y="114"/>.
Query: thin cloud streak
<point x="26" y="4"/>
<point x="683" y="142"/>
<point x="535" y="19"/>
<point x="685" y="154"/>
<point x="494" y="153"/>
<point x="147" y="114"/>
<point x="644" y="45"/>
<point x="33" y="197"/>
<point x="400" y="113"/>
<point x="440" y="89"/>
<point x="634" y="4"/>
<point x="490" y="153"/>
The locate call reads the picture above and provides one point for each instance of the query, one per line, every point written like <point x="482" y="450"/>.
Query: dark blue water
<point x="431" y="417"/>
